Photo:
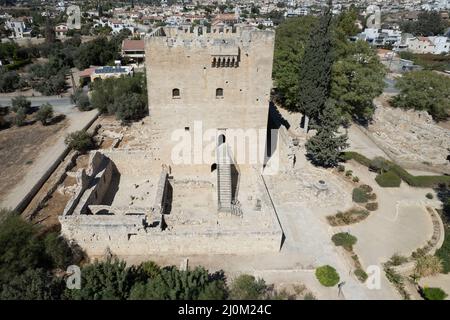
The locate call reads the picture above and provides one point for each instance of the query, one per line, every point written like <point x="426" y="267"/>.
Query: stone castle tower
<point x="222" y="78"/>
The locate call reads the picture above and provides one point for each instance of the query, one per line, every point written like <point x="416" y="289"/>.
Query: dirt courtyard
<point x="20" y="147"/>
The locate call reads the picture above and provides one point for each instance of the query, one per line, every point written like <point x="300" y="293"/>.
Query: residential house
<point x="133" y="50"/>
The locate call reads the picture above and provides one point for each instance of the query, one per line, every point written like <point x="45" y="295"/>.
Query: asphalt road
<point x="61" y="105"/>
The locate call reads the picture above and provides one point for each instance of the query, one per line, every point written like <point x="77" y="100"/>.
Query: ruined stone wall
<point x="123" y="237"/>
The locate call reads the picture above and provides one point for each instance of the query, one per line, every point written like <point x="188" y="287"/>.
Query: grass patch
<point x="327" y="276"/>
<point x="388" y="180"/>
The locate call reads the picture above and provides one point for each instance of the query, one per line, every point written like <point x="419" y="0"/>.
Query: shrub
<point x="415" y="181"/>
<point x="361" y="275"/>
<point x="434" y="294"/>
<point x="345" y="240"/>
<point x="388" y="180"/>
<point x="341" y="168"/>
<point x="19" y="103"/>
<point x="359" y="195"/>
<point x="247" y="287"/>
<point x="366" y="188"/>
<point x="355" y="179"/>
<point x="397" y="260"/>
<point x="348" y="173"/>
<point x="45" y="113"/>
<point x="19" y="118"/>
<point x="327" y="276"/>
<point x="380" y="165"/>
<point x="429" y="196"/>
<point x="372" y="206"/>
<point x="372" y="196"/>
<point x="348" y="217"/>
<point x="428" y="266"/>
<point x="80" y="141"/>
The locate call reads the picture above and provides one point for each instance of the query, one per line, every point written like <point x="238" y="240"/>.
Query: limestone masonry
<point x="135" y="200"/>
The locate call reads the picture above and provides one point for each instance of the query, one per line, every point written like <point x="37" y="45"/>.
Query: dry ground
<point x="19" y="147"/>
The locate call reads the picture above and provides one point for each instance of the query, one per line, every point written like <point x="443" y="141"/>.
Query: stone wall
<point x="93" y="234"/>
<point x="184" y="61"/>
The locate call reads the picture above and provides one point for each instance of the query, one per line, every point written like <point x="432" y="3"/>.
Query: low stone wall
<point x="123" y="237"/>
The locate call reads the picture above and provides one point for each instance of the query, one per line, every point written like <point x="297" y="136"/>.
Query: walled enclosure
<point x="135" y="201"/>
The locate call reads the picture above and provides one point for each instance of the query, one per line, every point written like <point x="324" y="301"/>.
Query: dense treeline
<point x="357" y="74"/>
<point x="126" y="97"/>
<point x="424" y="90"/>
<point x="49" y="78"/>
<point x="429" y="23"/>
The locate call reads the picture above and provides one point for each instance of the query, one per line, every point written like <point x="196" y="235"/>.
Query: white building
<point x="18" y="27"/>
<point x="431" y="45"/>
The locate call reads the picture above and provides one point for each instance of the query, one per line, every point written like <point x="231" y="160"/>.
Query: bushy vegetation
<point x="424" y="90"/>
<point x="429" y="23"/>
<point x="414" y="181"/>
<point x="428" y="266"/>
<point x="443" y="193"/>
<point x="28" y="259"/>
<point x="438" y="62"/>
<point x="357" y="74"/>
<point x="388" y="179"/>
<point x="397" y="280"/>
<point x="327" y="276"/>
<point x="80" y="141"/>
<point x="372" y="206"/>
<point x="361" y="275"/>
<point x="81" y="100"/>
<point x="246" y="287"/>
<point x="360" y="195"/>
<point x="45" y="113"/>
<point x="348" y="217"/>
<point x="345" y="240"/>
<point x="434" y="294"/>
<point x="32" y="262"/>
<point x="126" y="97"/>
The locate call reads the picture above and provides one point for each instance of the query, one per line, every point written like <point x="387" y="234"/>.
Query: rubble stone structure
<point x="134" y="200"/>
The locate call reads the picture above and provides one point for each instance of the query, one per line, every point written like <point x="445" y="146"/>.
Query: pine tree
<point x="315" y="70"/>
<point x="324" y="149"/>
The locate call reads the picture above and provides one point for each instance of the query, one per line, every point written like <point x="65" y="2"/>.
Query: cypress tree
<point x="325" y="148"/>
<point x="315" y="70"/>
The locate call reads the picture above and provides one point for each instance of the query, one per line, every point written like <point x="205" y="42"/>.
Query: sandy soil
<point x="19" y="147"/>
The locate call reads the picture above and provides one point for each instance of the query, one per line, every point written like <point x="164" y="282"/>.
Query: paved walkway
<point x="47" y="156"/>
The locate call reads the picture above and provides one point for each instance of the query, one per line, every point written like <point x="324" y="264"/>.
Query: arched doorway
<point x="213" y="167"/>
<point x="221" y="139"/>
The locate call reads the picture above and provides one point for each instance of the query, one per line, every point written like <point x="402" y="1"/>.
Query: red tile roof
<point x="133" y="45"/>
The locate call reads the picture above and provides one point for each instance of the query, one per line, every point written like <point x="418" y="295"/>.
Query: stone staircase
<point x="224" y="193"/>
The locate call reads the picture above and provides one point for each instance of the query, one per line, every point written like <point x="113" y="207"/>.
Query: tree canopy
<point x="424" y="90"/>
<point x="357" y="74"/>
<point x="429" y="23"/>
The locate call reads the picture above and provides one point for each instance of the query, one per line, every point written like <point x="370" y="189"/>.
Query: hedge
<point x="434" y="294"/>
<point x="414" y="181"/>
<point x="327" y="276"/>
<point x="388" y="180"/>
